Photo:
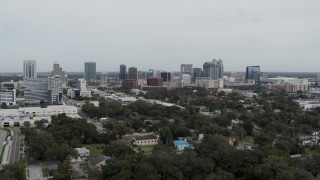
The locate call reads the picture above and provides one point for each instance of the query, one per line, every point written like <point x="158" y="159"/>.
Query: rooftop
<point x="145" y="137"/>
<point x="180" y="142"/>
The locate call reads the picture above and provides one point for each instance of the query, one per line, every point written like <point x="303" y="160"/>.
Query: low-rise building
<point x="82" y="152"/>
<point x="181" y="145"/>
<point x="17" y="121"/>
<point x="145" y="140"/>
<point x="40" y="112"/>
<point x="98" y="162"/>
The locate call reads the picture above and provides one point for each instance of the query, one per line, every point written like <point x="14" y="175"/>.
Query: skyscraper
<point x="104" y="79"/>
<point x="58" y="71"/>
<point x="123" y="72"/>
<point x="166" y="76"/>
<point x="185" y="69"/>
<point x="29" y="69"/>
<point x="90" y="73"/>
<point x="253" y="73"/>
<point x="196" y="72"/>
<point x="214" y="69"/>
<point x="133" y="73"/>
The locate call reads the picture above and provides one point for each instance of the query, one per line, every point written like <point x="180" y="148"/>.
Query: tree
<point x="43" y="104"/>
<point x="4" y="105"/>
<point x="116" y="149"/>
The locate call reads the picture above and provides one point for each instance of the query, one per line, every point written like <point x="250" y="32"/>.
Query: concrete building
<point x="37" y="113"/>
<point x="9" y="85"/>
<point x="8" y="96"/>
<point x="29" y="69"/>
<point x="133" y="73"/>
<point x="155" y="81"/>
<point x="253" y="73"/>
<point x="186" y="79"/>
<point x="238" y="76"/>
<point x="104" y="79"/>
<point x="208" y="83"/>
<point x="90" y="73"/>
<point x="185" y="69"/>
<point x="17" y="121"/>
<point x="82" y="84"/>
<point x="214" y="69"/>
<point x="58" y="71"/>
<point x="123" y="72"/>
<point x="48" y="89"/>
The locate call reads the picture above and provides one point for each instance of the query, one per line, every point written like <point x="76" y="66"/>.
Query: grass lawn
<point x="145" y="149"/>
<point x="45" y="172"/>
<point x="95" y="149"/>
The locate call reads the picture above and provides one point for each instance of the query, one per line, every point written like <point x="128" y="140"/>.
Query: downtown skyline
<point x="278" y="36"/>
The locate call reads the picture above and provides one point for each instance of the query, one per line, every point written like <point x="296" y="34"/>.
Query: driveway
<point x="35" y="173"/>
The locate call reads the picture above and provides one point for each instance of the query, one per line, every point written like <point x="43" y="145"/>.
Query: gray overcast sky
<point x="278" y="35"/>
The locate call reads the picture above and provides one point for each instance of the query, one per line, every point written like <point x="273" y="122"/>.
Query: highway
<point x="15" y="146"/>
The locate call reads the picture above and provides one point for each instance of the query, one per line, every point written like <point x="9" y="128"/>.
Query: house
<point x="97" y="162"/>
<point x="181" y="145"/>
<point x="82" y="152"/>
<point x="145" y="140"/>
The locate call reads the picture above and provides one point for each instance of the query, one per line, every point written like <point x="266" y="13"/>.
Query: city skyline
<point x="276" y="35"/>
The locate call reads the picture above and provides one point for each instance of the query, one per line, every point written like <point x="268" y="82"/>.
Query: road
<point x="15" y="146"/>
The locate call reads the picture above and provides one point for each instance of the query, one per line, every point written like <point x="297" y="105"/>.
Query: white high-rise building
<point x="29" y="69"/>
<point x="82" y="84"/>
<point x="104" y="79"/>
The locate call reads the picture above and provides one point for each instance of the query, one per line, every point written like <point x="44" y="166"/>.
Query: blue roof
<point x="180" y="142"/>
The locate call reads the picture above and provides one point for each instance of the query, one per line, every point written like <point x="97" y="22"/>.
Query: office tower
<point x="133" y="73"/>
<point x="166" y="76"/>
<point x="123" y="72"/>
<point x="90" y="73"/>
<point x="56" y="68"/>
<point x="47" y="88"/>
<point x="186" y="79"/>
<point x="58" y="71"/>
<point x="214" y="69"/>
<point x="185" y="69"/>
<point x="253" y="73"/>
<point x="155" y="81"/>
<point x="104" y="79"/>
<point x="196" y="72"/>
<point x="264" y="75"/>
<point x="82" y="84"/>
<point x="29" y="69"/>
<point x="238" y="76"/>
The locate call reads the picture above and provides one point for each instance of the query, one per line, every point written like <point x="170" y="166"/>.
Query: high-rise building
<point x="8" y="96"/>
<point x="82" y="84"/>
<point x="104" y="79"/>
<point x="133" y="73"/>
<point x="185" y="69"/>
<point x="166" y="76"/>
<point x="29" y="69"/>
<point x="90" y="73"/>
<point x="253" y="73"/>
<point x="58" y="71"/>
<point x="123" y="72"/>
<point x="155" y="81"/>
<point x="47" y="88"/>
<point x="196" y="72"/>
<point x="214" y="69"/>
